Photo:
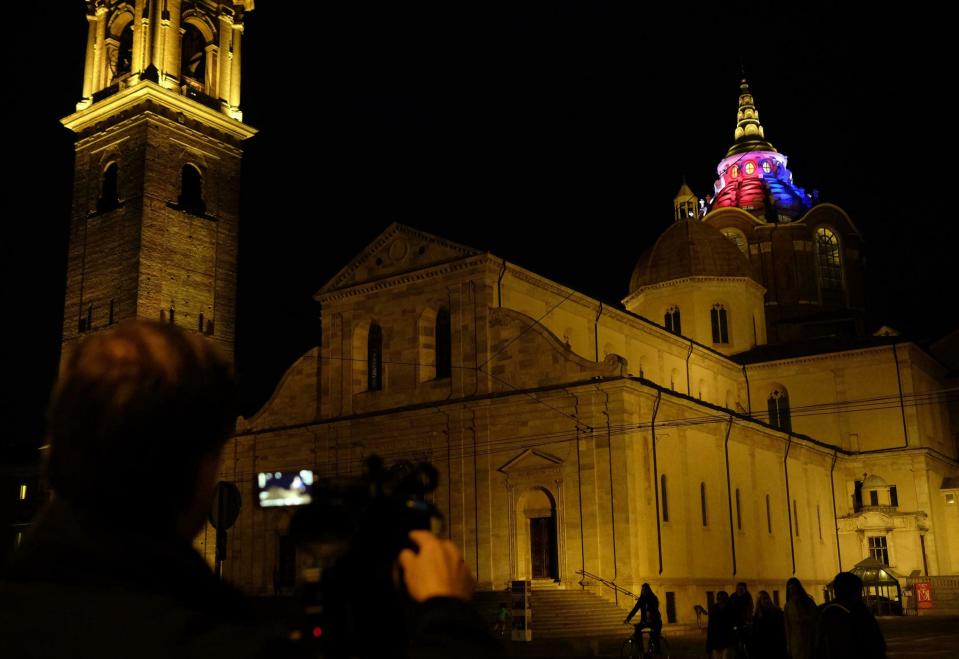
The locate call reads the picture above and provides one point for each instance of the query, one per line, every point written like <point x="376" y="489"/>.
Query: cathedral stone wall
<point x="633" y="447"/>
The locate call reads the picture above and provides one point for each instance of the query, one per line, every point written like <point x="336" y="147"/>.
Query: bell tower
<point x="159" y="132"/>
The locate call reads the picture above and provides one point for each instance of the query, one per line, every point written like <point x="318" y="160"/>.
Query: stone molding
<point x="429" y="272"/>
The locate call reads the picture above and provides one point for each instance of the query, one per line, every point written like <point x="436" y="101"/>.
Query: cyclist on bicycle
<point x="648" y="607"/>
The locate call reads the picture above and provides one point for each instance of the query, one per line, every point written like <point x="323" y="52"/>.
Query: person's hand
<point x="436" y="570"/>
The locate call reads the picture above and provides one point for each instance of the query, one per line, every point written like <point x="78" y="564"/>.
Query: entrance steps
<point x="561" y="613"/>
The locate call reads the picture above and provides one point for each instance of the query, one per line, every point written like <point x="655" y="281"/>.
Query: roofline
<point x="725" y="413"/>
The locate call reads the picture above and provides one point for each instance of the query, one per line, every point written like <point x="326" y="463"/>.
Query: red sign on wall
<point x="923" y="594"/>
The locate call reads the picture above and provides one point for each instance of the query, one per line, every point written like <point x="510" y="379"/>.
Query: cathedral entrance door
<point x="542" y="547"/>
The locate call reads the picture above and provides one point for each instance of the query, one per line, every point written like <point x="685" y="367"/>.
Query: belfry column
<point x="141" y="37"/>
<point x="235" y="74"/>
<point x="225" y="59"/>
<point x="89" y="67"/>
<point x="99" y="54"/>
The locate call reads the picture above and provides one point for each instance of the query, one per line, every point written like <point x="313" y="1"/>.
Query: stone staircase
<point x="559" y="613"/>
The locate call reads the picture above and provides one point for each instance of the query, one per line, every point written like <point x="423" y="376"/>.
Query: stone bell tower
<point x="153" y="227"/>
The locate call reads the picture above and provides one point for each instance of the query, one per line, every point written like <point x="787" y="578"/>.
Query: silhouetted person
<point x="136" y="427"/>
<point x="720" y="632"/>
<point x="741" y="603"/>
<point x="847" y="628"/>
<point x="768" y="639"/>
<point x="800" y="614"/>
<point x="648" y="607"/>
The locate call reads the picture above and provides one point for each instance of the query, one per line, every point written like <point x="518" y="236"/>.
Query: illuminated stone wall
<point x="150" y="255"/>
<point x="545" y="409"/>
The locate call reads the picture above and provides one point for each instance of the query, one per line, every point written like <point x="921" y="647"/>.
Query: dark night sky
<point x="551" y="133"/>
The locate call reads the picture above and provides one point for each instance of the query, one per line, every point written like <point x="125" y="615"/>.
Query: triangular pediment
<point x="530" y="459"/>
<point x="397" y="250"/>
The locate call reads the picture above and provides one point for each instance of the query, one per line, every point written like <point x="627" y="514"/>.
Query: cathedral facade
<point x="728" y="422"/>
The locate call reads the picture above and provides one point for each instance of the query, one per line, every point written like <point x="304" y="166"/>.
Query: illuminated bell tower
<point x="685" y="204"/>
<point x="153" y="228"/>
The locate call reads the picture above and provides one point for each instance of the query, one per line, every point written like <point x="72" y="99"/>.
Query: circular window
<point x="734" y="171"/>
<point x="750" y="168"/>
<point x="767" y="167"/>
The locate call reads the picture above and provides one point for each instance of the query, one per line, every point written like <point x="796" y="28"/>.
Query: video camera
<point x="347" y="539"/>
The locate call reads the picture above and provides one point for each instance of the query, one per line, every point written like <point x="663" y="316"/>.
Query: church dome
<point x="689" y="248"/>
<point x="753" y="176"/>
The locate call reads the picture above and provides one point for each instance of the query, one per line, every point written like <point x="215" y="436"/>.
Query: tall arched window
<point x="191" y="190"/>
<point x="193" y="54"/>
<point x="671" y="320"/>
<point x="374" y="359"/>
<point x="662" y="487"/>
<point x="702" y="502"/>
<point x="444" y="344"/>
<point x="778" y="405"/>
<point x="828" y="260"/>
<point x="125" y="51"/>
<point x="109" y="189"/>
<point x="717" y="317"/>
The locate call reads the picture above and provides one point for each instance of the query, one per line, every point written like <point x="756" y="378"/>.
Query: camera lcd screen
<point x="284" y="488"/>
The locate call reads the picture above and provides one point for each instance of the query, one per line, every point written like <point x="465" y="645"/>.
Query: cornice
<point x="429" y="272"/>
<point x="147" y="90"/>
<point x="822" y="356"/>
<point x="152" y="117"/>
<point x="341" y="280"/>
<point x="672" y="282"/>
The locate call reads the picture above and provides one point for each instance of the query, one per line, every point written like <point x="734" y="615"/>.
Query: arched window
<point x="738" y="238"/>
<point x="662" y="487"/>
<point x="193" y="54"/>
<point x="374" y="359"/>
<point x="702" y="502"/>
<point x="444" y="344"/>
<point x="671" y="320"/>
<point x="191" y="190"/>
<point x="778" y="404"/>
<point x="717" y="317"/>
<point x="686" y="210"/>
<point x="125" y="51"/>
<point x="828" y="260"/>
<point x="109" y="189"/>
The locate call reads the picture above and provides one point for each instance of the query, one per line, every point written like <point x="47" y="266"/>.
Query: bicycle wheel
<point x="629" y="649"/>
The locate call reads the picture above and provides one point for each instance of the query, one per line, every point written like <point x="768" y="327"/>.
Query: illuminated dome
<point x="753" y="176"/>
<point x="689" y="248"/>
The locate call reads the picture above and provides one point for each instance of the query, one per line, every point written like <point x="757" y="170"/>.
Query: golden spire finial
<point x="749" y="134"/>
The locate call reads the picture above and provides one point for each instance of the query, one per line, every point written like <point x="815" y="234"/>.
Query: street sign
<point x="923" y="594"/>
<point x="226" y="505"/>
